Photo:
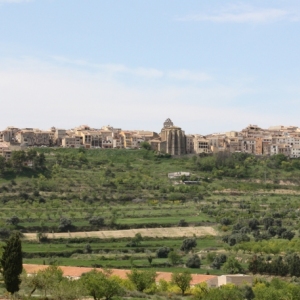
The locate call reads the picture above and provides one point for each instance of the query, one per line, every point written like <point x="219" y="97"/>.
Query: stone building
<point x="173" y="139"/>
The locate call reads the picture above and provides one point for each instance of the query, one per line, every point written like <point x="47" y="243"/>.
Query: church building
<point x="172" y="139"/>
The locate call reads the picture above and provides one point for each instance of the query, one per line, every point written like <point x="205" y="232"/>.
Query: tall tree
<point x="100" y="285"/>
<point x="11" y="263"/>
<point x="142" y="279"/>
<point x="182" y="280"/>
<point x="2" y="165"/>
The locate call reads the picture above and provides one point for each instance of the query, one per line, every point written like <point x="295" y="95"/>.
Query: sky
<point x="210" y="66"/>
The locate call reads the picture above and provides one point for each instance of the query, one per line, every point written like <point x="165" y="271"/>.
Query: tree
<point x="31" y="154"/>
<point x="45" y="280"/>
<point x="174" y="258"/>
<point x="87" y="248"/>
<point x="193" y="262"/>
<point x="225" y="221"/>
<point x="219" y="261"/>
<point x="267" y="222"/>
<point x="142" y="280"/>
<point x="150" y="258"/>
<point x="163" y="252"/>
<point x="183" y="223"/>
<point x="248" y="292"/>
<point x="288" y="235"/>
<point x="4" y="233"/>
<point x="18" y="158"/>
<point x="2" y="164"/>
<point x="293" y="262"/>
<point x="145" y="145"/>
<point x="40" y="161"/>
<point x="65" y="224"/>
<point x="136" y="241"/>
<point x="225" y="292"/>
<point x="97" y="221"/>
<point x="67" y="289"/>
<point x="253" y="224"/>
<point x="100" y="285"/>
<point x="200" y="290"/>
<point x="11" y="263"/>
<point x="182" y="280"/>
<point x="232" y="266"/>
<point x="188" y="244"/>
<point x="14" y="220"/>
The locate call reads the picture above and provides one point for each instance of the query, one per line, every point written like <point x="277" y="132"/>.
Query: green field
<point x="131" y="189"/>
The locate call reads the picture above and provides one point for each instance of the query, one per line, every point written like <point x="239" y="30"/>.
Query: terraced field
<point x="172" y="232"/>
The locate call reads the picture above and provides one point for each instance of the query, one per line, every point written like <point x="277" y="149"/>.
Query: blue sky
<point x="210" y="66"/>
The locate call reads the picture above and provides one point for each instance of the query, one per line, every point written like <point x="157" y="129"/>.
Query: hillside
<point x="247" y="204"/>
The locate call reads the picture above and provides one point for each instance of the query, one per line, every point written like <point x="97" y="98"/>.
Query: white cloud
<point x="153" y="73"/>
<point x="112" y="68"/>
<point x="38" y="94"/>
<point x="244" y="14"/>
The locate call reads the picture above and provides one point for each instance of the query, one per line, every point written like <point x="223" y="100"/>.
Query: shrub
<point x="188" y="244"/>
<point x="183" y="223"/>
<point x="4" y="233"/>
<point x="97" y="221"/>
<point x="13" y="221"/>
<point x="163" y="252"/>
<point x="225" y="221"/>
<point x="65" y="224"/>
<point x="193" y="262"/>
<point x="219" y="261"/>
<point x="42" y="237"/>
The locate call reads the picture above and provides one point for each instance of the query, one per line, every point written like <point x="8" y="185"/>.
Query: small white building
<point x="178" y="174"/>
<point x="236" y="279"/>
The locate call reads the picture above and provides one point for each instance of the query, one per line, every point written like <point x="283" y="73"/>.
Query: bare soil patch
<point x="172" y="232"/>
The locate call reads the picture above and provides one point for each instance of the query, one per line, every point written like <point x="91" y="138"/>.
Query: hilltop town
<point x="171" y="140"/>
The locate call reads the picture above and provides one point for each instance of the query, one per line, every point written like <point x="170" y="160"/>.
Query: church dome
<point x="168" y="123"/>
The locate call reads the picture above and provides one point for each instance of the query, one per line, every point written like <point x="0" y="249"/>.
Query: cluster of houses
<point x="171" y="140"/>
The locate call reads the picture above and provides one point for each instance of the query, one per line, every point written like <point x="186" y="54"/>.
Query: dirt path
<point x="263" y="192"/>
<point x="147" y="232"/>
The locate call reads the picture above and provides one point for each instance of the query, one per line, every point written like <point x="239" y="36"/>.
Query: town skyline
<point x="158" y="126"/>
<point x="171" y="140"/>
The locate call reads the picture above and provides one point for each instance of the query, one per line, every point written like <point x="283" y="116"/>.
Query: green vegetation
<point x="11" y="263"/>
<point x="252" y="203"/>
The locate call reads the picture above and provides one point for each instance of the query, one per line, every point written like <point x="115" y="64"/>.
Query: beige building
<point x="107" y="142"/>
<point x="248" y="145"/>
<point x="173" y="140"/>
<point x="190" y="143"/>
<point x="252" y="131"/>
<point x="42" y="138"/>
<point x="8" y="135"/>
<point x="118" y="143"/>
<point x="59" y="134"/>
<point x="155" y="144"/>
<point x="295" y="152"/>
<point x="91" y="139"/>
<point x="201" y="145"/>
<point x="5" y="151"/>
<point x="236" y="279"/>
<point x="25" y="137"/>
<point x="126" y="139"/>
<point x="72" y="141"/>
<point x="233" y="144"/>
